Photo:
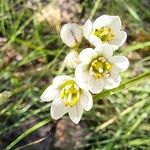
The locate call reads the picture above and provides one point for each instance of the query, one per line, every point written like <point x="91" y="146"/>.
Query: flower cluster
<point x="96" y="68"/>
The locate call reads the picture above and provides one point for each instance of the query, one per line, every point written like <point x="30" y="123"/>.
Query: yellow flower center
<point x="105" y="34"/>
<point x="70" y="93"/>
<point x="100" y="67"/>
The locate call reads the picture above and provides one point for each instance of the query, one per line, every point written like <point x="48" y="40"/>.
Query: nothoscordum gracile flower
<point x="99" y="69"/>
<point x="72" y="60"/>
<point x="71" y="34"/>
<point x="67" y="96"/>
<point x="105" y="29"/>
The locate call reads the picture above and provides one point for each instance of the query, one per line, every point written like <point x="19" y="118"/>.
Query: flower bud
<point x="72" y="60"/>
<point x="71" y="34"/>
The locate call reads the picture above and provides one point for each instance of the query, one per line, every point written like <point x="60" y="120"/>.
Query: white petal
<point x="82" y="84"/>
<point x="104" y="50"/>
<point x="94" y="40"/>
<point x="114" y="47"/>
<point x="71" y="34"/>
<point x="72" y="59"/>
<point x="78" y="32"/>
<point x="86" y="100"/>
<point x="87" y="28"/>
<point x="120" y="63"/>
<point x="75" y="62"/>
<point x="99" y="50"/>
<point x="67" y="36"/>
<point x="119" y="39"/>
<point x="113" y="81"/>
<point x="95" y="85"/>
<point x="82" y="75"/>
<point x="61" y="79"/>
<point x="113" y="22"/>
<point x="107" y="51"/>
<point x="58" y="109"/>
<point x="87" y="55"/>
<point x="75" y="113"/>
<point x="50" y="93"/>
<point x="81" y="72"/>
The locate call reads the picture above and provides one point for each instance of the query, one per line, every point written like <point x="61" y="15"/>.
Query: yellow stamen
<point x="105" y="34"/>
<point x="62" y="93"/>
<point x="74" y="101"/>
<point x="66" y="103"/>
<point x="70" y="93"/>
<point x="98" y="75"/>
<point x="100" y="67"/>
<point x="108" y="65"/>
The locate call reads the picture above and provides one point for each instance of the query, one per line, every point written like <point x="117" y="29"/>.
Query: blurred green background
<point x="32" y="53"/>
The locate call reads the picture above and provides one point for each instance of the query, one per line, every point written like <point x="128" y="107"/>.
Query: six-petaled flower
<point x="67" y="96"/>
<point x="100" y="69"/>
<point x="105" y="29"/>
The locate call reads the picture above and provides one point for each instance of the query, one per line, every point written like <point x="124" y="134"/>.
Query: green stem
<point x="125" y="85"/>
<point x="135" y="46"/>
<point x="97" y="3"/>
<point x="27" y="132"/>
<point x="121" y="115"/>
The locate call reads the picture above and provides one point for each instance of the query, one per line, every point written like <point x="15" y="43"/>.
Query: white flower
<point x="105" y="29"/>
<point x="99" y="69"/>
<point x="72" y="59"/>
<point x="68" y="97"/>
<point x="71" y="34"/>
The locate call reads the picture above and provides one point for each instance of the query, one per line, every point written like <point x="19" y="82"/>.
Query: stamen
<point x="99" y="67"/>
<point x="108" y="65"/>
<point x="62" y="93"/>
<point x="105" y="34"/>
<point x="70" y="93"/>
<point x="74" y="101"/>
<point x="66" y="103"/>
<point x="98" y="75"/>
